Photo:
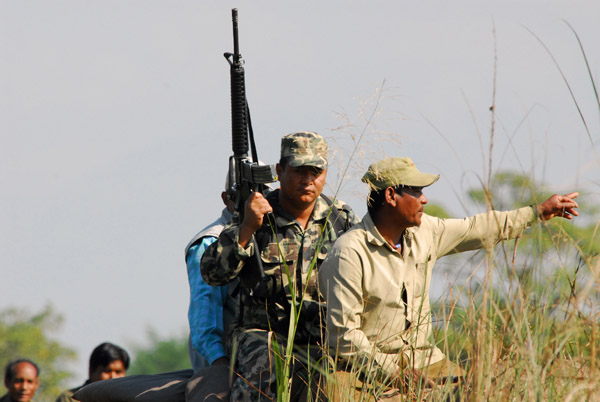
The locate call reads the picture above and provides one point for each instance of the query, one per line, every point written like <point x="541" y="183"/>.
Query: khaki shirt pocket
<point x="420" y="280"/>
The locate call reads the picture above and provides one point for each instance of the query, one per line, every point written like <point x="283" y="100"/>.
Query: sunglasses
<point x="410" y="190"/>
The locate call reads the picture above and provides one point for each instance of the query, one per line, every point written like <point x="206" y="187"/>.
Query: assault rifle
<point x="246" y="175"/>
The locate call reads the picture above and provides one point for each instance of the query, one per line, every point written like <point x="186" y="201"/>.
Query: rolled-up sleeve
<point x="224" y="259"/>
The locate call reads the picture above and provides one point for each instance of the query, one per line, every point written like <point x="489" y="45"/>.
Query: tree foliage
<point x="26" y="335"/>
<point x="161" y="355"/>
<point x="436" y="210"/>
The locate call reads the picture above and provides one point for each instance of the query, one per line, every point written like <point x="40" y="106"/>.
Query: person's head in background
<point x="108" y="361"/>
<point x="21" y="380"/>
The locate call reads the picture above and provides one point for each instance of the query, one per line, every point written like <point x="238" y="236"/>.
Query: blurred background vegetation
<point x="25" y="334"/>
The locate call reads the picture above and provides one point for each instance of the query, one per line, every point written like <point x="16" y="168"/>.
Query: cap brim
<point x="315" y="162"/>
<point x="421" y="179"/>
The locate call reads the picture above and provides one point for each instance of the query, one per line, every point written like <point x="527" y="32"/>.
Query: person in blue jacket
<point x="212" y="308"/>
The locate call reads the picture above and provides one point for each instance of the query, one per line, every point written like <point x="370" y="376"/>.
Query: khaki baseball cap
<point x="304" y="148"/>
<point x="392" y="172"/>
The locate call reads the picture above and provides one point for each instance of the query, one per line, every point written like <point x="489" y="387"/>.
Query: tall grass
<point x="531" y="333"/>
<point x="529" y="330"/>
<point x="542" y="335"/>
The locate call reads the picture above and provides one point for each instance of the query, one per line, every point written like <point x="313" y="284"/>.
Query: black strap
<point x="251" y="135"/>
<point x="339" y="225"/>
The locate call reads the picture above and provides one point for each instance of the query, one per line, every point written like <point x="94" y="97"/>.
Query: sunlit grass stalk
<point x="284" y="361"/>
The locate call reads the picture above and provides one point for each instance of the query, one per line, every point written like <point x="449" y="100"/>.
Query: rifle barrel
<point x="236" y="46"/>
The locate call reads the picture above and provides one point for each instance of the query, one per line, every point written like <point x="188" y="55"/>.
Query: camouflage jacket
<point x="287" y="253"/>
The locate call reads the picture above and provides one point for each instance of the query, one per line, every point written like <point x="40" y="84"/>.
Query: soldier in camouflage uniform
<point x="292" y="229"/>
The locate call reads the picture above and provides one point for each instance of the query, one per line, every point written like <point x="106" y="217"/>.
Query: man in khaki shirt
<point x="376" y="278"/>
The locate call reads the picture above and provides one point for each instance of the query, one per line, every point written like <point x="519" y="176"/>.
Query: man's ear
<point x="390" y="198"/>
<point x="278" y="169"/>
<point x="229" y="204"/>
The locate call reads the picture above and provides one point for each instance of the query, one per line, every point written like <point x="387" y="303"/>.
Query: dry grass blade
<point x="587" y="65"/>
<point x="566" y="82"/>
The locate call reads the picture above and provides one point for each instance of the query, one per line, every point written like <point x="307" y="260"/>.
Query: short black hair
<point x="106" y="353"/>
<point x="9" y="371"/>
<point x="283" y="162"/>
<point x="376" y="199"/>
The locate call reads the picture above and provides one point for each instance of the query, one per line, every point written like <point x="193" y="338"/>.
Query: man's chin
<point x="307" y="197"/>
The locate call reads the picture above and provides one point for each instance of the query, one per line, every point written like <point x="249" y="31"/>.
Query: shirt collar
<point x="321" y="209"/>
<point x="374" y="237"/>
<point x="225" y="216"/>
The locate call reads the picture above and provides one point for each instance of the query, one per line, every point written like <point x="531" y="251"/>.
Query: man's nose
<point x="423" y="199"/>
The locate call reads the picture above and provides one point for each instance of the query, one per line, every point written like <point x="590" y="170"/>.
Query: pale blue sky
<point x="115" y="126"/>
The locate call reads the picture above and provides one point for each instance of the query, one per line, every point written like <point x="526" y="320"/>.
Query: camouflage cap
<point x="392" y="172"/>
<point x="304" y="148"/>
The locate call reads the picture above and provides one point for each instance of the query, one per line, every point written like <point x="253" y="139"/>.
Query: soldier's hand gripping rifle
<point x="245" y="173"/>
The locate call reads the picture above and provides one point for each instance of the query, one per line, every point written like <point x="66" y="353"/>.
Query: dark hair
<point x="106" y="353"/>
<point x="283" y="162"/>
<point x="9" y="371"/>
<point x="376" y="199"/>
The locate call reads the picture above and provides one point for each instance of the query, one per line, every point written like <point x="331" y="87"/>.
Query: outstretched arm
<point x="558" y="205"/>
